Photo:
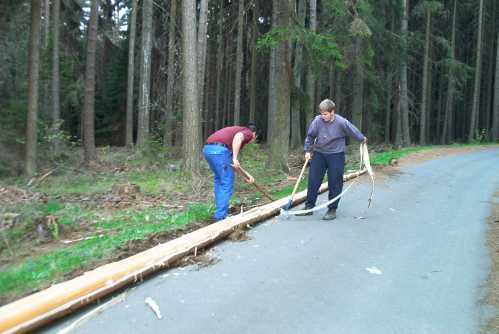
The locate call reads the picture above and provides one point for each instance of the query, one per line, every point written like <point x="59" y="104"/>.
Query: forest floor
<point x="70" y="220"/>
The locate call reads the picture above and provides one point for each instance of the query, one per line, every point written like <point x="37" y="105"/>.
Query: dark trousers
<point x="334" y="163"/>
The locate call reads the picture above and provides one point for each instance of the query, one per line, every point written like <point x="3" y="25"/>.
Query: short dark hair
<point x="252" y="127"/>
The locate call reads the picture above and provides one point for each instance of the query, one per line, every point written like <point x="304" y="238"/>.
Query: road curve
<point x="415" y="262"/>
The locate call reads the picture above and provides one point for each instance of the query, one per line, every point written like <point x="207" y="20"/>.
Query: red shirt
<point x="226" y="136"/>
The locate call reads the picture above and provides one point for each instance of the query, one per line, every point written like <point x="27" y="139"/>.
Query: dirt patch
<point x="492" y="286"/>
<point x="437" y="152"/>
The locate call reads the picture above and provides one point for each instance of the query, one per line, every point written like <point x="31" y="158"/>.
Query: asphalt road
<point x="415" y="262"/>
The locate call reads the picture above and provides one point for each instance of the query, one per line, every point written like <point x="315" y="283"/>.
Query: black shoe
<point x="306" y="213"/>
<point x="330" y="215"/>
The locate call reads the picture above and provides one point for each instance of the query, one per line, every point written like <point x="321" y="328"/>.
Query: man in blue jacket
<point x="325" y="144"/>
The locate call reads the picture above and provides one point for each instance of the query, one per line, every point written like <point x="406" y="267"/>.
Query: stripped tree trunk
<point x="89" y="100"/>
<point x="170" y="87"/>
<point x="478" y="68"/>
<point x="131" y="67"/>
<point x="191" y="121"/>
<point x="426" y="74"/>
<point x="145" y="75"/>
<point x="239" y="64"/>
<point x="33" y="76"/>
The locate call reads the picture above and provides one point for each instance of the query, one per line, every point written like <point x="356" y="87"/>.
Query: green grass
<point x="133" y="225"/>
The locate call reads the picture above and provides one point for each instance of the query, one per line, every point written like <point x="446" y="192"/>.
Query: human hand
<point x="308" y="155"/>
<point x="365" y="140"/>
<point x="236" y="164"/>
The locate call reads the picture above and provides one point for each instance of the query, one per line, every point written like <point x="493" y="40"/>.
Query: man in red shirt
<point x="222" y="151"/>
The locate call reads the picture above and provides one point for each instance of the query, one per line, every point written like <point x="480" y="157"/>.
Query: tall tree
<point x="272" y="102"/>
<point x="145" y="74"/>
<point x="220" y="61"/>
<point x="426" y="66"/>
<point x="296" y="137"/>
<point x="56" y="105"/>
<point x="33" y="75"/>
<point x="201" y="52"/>
<point x="404" y="98"/>
<point x="132" y="28"/>
<point x="239" y="64"/>
<point x="252" y="88"/>
<point x="473" y="125"/>
<point x="89" y="99"/>
<point x="310" y="80"/>
<point x="191" y="122"/>
<point x="170" y="88"/>
<point x="448" y="124"/>
<point x="279" y="144"/>
<point x="495" y="112"/>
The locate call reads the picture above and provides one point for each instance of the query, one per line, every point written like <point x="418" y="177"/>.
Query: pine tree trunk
<point x="170" y="87"/>
<point x="404" y="99"/>
<point x="220" y="62"/>
<point x="310" y="81"/>
<point x="201" y="53"/>
<point x="191" y="120"/>
<point x="132" y="28"/>
<point x="448" y="126"/>
<point x="56" y="106"/>
<point x="145" y="74"/>
<point x="252" y="93"/>
<point x="495" y="112"/>
<point x="33" y="76"/>
<point x="358" y="86"/>
<point x="280" y="134"/>
<point x="89" y="100"/>
<point x="424" y="91"/>
<point x="239" y="64"/>
<point x="296" y="137"/>
<point x="388" y="104"/>
<point x="478" y="68"/>
<point x="272" y="103"/>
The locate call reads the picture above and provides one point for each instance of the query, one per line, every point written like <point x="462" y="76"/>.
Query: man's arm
<point x="236" y="146"/>
<point x="352" y="131"/>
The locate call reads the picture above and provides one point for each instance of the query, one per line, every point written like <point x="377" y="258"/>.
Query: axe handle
<point x="299" y="178"/>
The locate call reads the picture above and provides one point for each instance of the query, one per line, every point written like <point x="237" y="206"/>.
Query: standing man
<point x="325" y="143"/>
<point x="222" y="151"/>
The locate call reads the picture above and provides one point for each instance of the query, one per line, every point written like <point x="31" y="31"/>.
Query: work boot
<point x="306" y="213"/>
<point x="330" y="214"/>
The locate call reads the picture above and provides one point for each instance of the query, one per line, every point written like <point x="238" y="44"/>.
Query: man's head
<point x="327" y="109"/>
<point x="253" y="129"/>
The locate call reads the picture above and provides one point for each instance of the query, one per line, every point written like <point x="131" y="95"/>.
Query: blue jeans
<point x="220" y="159"/>
<point x="334" y="163"/>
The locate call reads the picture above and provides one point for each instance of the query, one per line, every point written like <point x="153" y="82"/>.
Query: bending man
<point x="325" y="144"/>
<point x="222" y="151"/>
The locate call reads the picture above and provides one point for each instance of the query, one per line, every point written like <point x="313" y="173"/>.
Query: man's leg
<point x="226" y="185"/>
<point x="336" y="166"/>
<point x="219" y="160"/>
<point x="315" y="176"/>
